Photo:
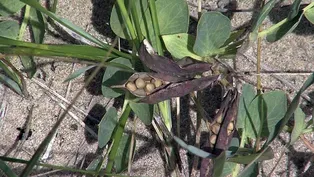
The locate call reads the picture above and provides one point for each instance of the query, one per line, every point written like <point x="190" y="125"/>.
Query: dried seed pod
<point x="140" y="83"/>
<point x="230" y="126"/>
<point x="149" y="87"/>
<point x="213" y="139"/>
<point x="131" y="86"/>
<point x="216" y="128"/>
<point x="157" y="82"/>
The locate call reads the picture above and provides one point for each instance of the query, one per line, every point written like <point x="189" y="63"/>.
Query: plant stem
<point x="126" y="18"/>
<point x="152" y="7"/>
<point x="136" y="21"/>
<point x="118" y="134"/>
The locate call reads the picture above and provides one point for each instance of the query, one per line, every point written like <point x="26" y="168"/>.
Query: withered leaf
<point x="180" y="89"/>
<point x="167" y="66"/>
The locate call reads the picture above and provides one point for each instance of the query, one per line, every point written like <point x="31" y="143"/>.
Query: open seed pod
<point x="142" y="84"/>
<point x="223" y="126"/>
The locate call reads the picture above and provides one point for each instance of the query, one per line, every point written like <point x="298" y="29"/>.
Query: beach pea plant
<point x="164" y="62"/>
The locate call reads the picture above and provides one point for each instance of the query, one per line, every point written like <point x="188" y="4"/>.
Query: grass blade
<point x="6" y="169"/>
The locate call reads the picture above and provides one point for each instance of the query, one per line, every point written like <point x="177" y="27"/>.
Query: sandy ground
<point x="75" y="147"/>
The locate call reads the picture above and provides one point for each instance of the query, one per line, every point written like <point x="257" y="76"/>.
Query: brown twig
<point x="307" y="143"/>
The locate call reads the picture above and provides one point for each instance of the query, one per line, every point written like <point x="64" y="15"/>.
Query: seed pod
<point x="216" y="128"/>
<point x="140" y="83"/>
<point x="150" y="87"/>
<point x="213" y="139"/>
<point x="131" y="86"/>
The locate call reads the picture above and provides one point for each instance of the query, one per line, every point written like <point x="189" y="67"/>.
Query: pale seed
<point x="230" y="126"/>
<point x="213" y="139"/>
<point x="131" y="86"/>
<point x="157" y="82"/>
<point x="150" y="87"/>
<point x="216" y="128"/>
<point x="140" y="83"/>
<point x="140" y="92"/>
<point x="219" y="119"/>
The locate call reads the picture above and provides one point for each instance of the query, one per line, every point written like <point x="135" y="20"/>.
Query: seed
<point x="229" y="132"/>
<point x="157" y="82"/>
<point x="213" y="139"/>
<point x="219" y="119"/>
<point x="131" y="86"/>
<point x="230" y="126"/>
<point x="140" y="92"/>
<point x="150" y="87"/>
<point x="140" y="83"/>
<point x="216" y="128"/>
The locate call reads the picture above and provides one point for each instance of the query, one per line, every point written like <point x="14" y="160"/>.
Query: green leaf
<point x="219" y="164"/>
<point x="95" y="163"/>
<point x="272" y="110"/>
<point x="294" y="9"/>
<point x="122" y="156"/>
<point x="291" y="109"/>
<point x="29" y="65"/>
<point x="194" y="150"/>
<point x="245" y="158"/>
<point x="251" y="171"/>
<point x="228" y="168"/>
<point x="78" y="72"/>
<point x="261" y="17"/>
<point x="299" y="125"/>
<point x="115" y="76"/>
<point x="38" y="25"/>
<point x="309" y="14"/>
<point x="6" y="169"/>
<point x="11" y="84"/>
<point x="248" y="94"/>
<point x="180" y="45"/>
<point x="65" y="50"/>
<point x="116" y="18"/>
<point x="173" y="17"/>
<point x="9" y="29"/>
<point x="281" y="30"/>
<point x="213" y="30"/>
<point x="106" y="126"/>
<point x="9" y="7"/>
<point x="143" y="111"/>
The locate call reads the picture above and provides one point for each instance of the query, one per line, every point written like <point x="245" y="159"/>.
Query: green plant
<point x="148" y="88"/>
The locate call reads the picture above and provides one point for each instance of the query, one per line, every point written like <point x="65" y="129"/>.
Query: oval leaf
<point x="143" y="111"/>
<point x="180" y="45"/>
<point x="173" y="17"/>
<point x="9" y="29"/>
<point x="309" y="14"/>
<point x="280" y="31"/>
<point x="106" y="126"/>
<point x="299" y="123"/>
<point x="115" y="76"/>
<point x="9" y="7"/>
<point x="213" y="30"/>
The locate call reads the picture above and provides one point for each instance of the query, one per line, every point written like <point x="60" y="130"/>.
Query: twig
<point x="307" y="143"/>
